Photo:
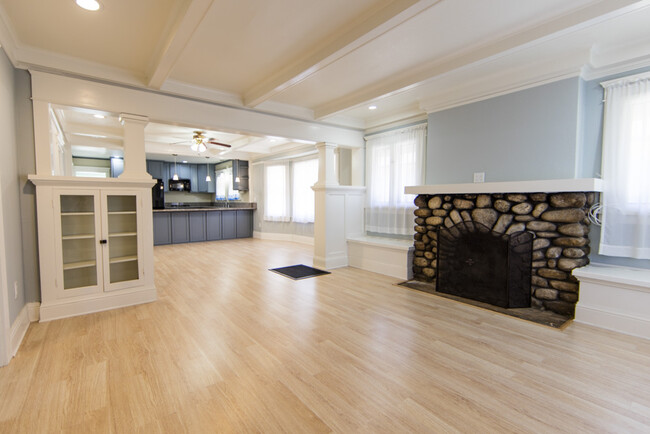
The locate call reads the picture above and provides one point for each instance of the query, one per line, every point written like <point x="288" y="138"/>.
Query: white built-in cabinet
<point x="95" y="247"/>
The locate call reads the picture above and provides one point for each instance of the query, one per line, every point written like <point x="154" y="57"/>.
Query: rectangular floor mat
<point x="297" y="272"/>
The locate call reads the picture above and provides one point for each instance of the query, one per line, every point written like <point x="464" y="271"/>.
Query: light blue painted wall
<point x="526" y="135"/>
<point x="9" y="183"/>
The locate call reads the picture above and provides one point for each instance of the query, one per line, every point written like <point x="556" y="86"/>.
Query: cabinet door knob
<point x="103" y="241"/>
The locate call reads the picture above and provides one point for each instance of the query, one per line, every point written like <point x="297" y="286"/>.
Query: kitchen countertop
<point x="191" y="207"/>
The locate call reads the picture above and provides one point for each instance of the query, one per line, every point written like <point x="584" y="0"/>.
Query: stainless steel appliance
<point x="180" y="185"/>
<point x="158" y="195"/>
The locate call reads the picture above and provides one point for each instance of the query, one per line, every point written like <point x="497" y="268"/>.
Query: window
<point x="276" y="193"/>
<point x="625" y="162"/>
<point x="305" y="174"/>
<point x="393" y="160"/>
<point x="224" y="187"/>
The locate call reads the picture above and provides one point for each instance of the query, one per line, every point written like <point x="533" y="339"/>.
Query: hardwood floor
<point x="232" y="347"/>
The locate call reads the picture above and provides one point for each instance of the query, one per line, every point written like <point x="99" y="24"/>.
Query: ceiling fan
<point x="199" y="142"/>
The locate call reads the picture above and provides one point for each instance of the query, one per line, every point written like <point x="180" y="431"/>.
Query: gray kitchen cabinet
<point x="244" y="223"/>
<point x="240" y="170"/>
<point x="156" y="169"/>
<point x="197" y="226"/>
<point x="228" y="225"/>
<point x="162" y="229"/>
<point x="213" y="225"/>
<point x="205" y="186"/>
<point x="180" y="227"/>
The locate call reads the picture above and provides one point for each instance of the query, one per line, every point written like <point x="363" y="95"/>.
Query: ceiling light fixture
<point x="98" y="116"/>
<point x="372" y="107"/>
<point x="175" y="177"/>
<point x="89" y="5"/>
<point x="198" y="142"/>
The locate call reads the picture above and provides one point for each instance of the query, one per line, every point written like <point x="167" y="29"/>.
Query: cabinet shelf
<point x="78" y="237"/>
<point x="123" y="234"/>
<point x="121" y="212"/>
<point x="80" y="264"/>
<point x="73" y="213"/>
<point x="123" y="259"/>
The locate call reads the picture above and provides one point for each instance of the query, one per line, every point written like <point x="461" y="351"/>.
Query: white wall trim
<point x="614" y="298"/>
<point x="95" y="303"/>
<point x="34" y="311"/>
<point x="302" y="239"/>
<point x="18" y="329"/>
<point x="387" y="256"/>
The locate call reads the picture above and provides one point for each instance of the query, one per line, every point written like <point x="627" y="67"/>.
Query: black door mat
<point x="547" y="318"/>
<point x="297" y="272"/>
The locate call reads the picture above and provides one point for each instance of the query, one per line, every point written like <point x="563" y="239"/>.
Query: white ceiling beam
<point x="344" y="41"/>
<point x="189" y="17"/>
<point x="407" y="80"/>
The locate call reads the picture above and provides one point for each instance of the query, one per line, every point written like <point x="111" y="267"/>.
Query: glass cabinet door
<point x="122" y="227"/>
<point x="78" y="240"/>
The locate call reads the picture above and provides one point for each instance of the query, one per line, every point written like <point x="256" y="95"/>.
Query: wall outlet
<point x="15" y="290"/>
<point x="479" y="176"/>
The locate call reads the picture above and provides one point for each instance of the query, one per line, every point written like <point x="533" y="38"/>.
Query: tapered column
<point x="135" y="160"/>
<point x="338" y="212"/>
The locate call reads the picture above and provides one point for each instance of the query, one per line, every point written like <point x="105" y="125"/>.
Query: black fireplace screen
<point x="476" y="263"/>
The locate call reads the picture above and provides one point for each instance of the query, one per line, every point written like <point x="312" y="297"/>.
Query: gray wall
<point x="526" y="135"/>
<point x="552" y="131"/>
<point x="11" y="186"/>
<point x="26" y="166"/>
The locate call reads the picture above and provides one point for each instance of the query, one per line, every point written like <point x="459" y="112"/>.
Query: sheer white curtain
<point x="393" y="160"/>
<point x="626" y="169"/>
<point x="276" y="193"/>
<point x="305" y="174"/>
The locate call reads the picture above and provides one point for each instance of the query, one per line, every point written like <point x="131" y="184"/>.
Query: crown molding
<point x="590" y="73"/>
<point x="8" y="38"/>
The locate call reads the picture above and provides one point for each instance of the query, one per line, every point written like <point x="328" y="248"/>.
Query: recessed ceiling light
<point x="89" y="5"/>
<point x="99" y="116"/>
<point x="372" y="107"/>
<point x="184" y="161"/>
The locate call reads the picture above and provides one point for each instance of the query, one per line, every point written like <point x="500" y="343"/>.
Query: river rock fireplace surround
<point x="553" y="213"/>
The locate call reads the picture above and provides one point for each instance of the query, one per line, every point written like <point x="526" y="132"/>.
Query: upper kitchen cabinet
<point x="240" y="175"/>
<point x="203" y="185"/>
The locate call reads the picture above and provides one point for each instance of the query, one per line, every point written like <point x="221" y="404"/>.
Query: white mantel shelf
<point x="541" y="186"/>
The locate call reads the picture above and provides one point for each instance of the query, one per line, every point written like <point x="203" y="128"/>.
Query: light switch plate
<point x="479" y="176"/>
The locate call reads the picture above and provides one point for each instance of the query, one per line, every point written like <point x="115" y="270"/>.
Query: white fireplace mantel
<point x="541" y="186"/>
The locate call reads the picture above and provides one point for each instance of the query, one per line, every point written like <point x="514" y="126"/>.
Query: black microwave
<point x="180" y="185"/>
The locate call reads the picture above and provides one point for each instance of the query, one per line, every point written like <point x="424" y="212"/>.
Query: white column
<point x="337" y="215"/>
<point x="135" y="160"/>
<point x="358" y="166"/>
<point x="43" y="149"/>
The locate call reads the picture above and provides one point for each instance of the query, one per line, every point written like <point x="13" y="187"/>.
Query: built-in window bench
<point x="616" y="298"/>
<point x="388" y="256"/>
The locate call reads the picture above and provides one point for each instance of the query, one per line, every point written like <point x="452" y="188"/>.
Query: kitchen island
<point x="188" y="223"/>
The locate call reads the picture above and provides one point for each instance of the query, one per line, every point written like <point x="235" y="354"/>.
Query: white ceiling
<point x="327" y="60"/>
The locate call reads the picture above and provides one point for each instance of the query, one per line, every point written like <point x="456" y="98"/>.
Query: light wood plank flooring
<point x="232" y="347"/>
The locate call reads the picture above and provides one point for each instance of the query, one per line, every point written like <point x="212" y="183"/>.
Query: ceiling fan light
<point x="89" y="5"/>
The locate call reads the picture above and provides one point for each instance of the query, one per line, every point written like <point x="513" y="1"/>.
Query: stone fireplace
<point x="556" y="222"/>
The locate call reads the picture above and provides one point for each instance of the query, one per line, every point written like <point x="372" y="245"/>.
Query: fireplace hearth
<point x="477" y="263"/>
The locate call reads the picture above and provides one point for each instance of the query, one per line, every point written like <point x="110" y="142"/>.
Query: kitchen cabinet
<point x="197" y="226"/>
<point x="229" y="225"/>
<point x="156" y="169"/>
<point x="240" y="170"/>
<point x="204" y="186"/>
<point x="180" y="227"/>
<point x="213" y="225"/>
<point x="194" y="226"/>
<point x="162" y="228"/>
<point x="244" y="223"/>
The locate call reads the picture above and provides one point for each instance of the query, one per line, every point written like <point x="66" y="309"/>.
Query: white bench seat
<point x="388" y="256"/>
<point x="616" y="298"/>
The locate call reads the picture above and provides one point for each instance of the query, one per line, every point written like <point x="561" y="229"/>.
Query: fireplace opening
<point x="477" y="263"/>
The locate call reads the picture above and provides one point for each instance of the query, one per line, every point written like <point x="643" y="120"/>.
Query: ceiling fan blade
<point x="212" y="142"/>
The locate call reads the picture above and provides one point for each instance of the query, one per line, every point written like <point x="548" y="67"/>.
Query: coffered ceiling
<point x="329" y="60"/>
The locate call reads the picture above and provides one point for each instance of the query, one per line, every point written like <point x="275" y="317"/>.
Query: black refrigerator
<point x="158" y="195"/>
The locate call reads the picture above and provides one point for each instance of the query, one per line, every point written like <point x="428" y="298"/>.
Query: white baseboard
<point x="34" y="311"/>
<point x="614" y="298"/>
<point x="18" y="330"/>
<point x="331" y="262"/>
<point x="284" y="237"/>
<point x="74" y="307"/>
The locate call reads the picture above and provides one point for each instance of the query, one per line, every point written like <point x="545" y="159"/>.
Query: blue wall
<point x="526" y="135"/>
<point x="552" y="131"/>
